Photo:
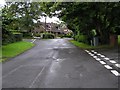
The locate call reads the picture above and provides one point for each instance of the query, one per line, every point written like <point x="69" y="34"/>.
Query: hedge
<point x="48" y="36"/>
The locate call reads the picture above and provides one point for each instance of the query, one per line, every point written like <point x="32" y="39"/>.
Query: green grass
<point x="14" y="49"/>
<point x="119" y="39"/>
<point x="86" y="46"/>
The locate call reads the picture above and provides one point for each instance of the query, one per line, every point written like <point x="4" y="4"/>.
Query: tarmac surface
<point x="56" y="63"/>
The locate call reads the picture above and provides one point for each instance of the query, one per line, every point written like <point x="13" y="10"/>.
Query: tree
<point x="83" y="17"/>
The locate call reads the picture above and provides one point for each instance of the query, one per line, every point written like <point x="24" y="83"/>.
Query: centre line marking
<point x="12" y="71"/>
<point x="36" y="77"/>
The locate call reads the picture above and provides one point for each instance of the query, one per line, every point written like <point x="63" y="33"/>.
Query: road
<point x="56" y="63"/>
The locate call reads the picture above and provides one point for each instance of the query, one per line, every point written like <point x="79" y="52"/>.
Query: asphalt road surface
<point x="56" y="63"/>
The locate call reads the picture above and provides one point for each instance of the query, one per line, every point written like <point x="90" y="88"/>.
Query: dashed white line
<point x="33" y="40"/>
<point x="116" y="73"/>
<point x="98" y="54"/>
<point x="102" y="55"/>
<point x="106" y="58"/>
<point x="117" y="65"/>
<point x="98" y="59"/>
<point x="102" y="62"/>
<point x="107" y="66"/>
<point x="92" y="50"/>
<point x="91" y="54"/>
<point x="112" y="61"/>
<point x="94" y="56"/>
<point x="95" y="52"/>
<point x="12" y="71"/>
<point x="36" y="77"/>
<point x="86" y="50"/>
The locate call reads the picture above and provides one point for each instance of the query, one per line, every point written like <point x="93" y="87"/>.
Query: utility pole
<point x="45" y="24"/>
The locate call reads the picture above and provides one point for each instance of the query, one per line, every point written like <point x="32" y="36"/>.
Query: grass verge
<point x="86" y="46"/>
<point x="14" y="49"/>
<point x="119" y="39"/>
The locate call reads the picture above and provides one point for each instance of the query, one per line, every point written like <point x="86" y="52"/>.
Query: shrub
<point x="7" y="37"/>
<point x="27" y="35"/>
<point x="81" y="38"/>
<point x="18" y="36"/>
<point x="10" y="37"/>
<point x="48" y="36"/>
<point x="37" y="35"/>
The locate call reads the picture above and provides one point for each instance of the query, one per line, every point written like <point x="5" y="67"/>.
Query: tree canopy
<point x="83" y="17"/>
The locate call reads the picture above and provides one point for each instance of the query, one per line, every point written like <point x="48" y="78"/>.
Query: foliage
<point x="48" y="36"/>
<point x="81" y="38"/>
<point x="119" y="39"/>
<point x="18" y="36"/>
<point x="37" y="34"/>
<point x="19" y="16"/>
<point x="14" y="49"/>
<point x="86" y="46"/>
<point x="85" y="16"/>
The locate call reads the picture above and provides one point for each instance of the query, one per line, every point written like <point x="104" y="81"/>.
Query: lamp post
<point x="45" y="20"/>
<point x="45" y="23"/>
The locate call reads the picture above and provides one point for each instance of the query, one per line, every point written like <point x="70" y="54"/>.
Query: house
<point x="54" y="28"/>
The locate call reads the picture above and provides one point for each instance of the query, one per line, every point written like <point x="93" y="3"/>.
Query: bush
<point x="37" y="35"/>
<point x="81" y="38"/>
<point x="10" y="37"/>
<point x="18" y="36"/>
<point x="48" y="36"/>
<point x="27" y="35"/>
<point x="7" y="37"/>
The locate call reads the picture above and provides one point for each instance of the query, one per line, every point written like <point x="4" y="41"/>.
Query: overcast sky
<point x="48" y="20"/>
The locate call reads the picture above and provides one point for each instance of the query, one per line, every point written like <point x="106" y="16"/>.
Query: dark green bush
<point x="10" y="37"/>
<point x="27" y="35"/>
<point x="48" y="36"/>
<point x="81" y="38"/>
<point x="18" y="36"/>
<point x="37" y="35"/>
<point x="7" y="37"/>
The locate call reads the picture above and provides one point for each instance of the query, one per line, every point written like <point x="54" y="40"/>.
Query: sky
<point x="48" y="20"/>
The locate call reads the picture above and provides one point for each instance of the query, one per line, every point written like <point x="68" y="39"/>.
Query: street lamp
<point x="45" y="19"/>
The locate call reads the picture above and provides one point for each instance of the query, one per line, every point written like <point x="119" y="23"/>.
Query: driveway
<point x="56" y="63"/>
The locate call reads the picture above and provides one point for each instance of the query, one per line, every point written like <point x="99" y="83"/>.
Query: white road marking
<point x="94" y="56"/>
<point x="33" y="40"/>
<point x="12" y="71"/>
<point x="112" y="61"/>
<point x="36" y="77"/>
<point x="95" y="52"/>
<point x="102" y="55"/>
<point x="102" y="62"/>
<point x="91" y="54"/>
<point x="86" y="50"/>
<point x="99" y="54"/>
<point x="116" y="73"/>
<point x="107" y="66"/>
<point x="98" y="59"/>
<point x="106" y="58"/>
<point x="92" y="50"/>
<point x="117" y="65"/>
